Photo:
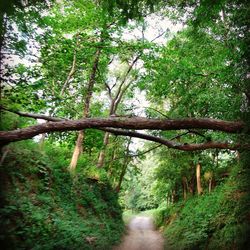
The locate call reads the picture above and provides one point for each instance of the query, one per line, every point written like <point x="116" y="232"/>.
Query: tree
<point x="123" y="83"/>
<point x="191" y="72"/>
<point x="196" y="87"/>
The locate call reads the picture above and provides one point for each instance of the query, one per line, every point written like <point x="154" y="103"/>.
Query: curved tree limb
<point x="168" y="143"/>
<point x="174" y="145"/>
<point x="138" y="123"/>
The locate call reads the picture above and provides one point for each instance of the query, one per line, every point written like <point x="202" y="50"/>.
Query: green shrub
<point x="45" y="208"/>
<point x="209" y="222"/>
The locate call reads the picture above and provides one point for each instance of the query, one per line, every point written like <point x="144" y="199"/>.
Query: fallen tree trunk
<point x="137" y="123"/>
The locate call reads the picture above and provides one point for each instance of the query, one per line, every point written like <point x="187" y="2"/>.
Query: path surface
<point x="141" y="236"/>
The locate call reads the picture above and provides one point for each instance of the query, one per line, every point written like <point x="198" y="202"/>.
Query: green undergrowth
<point x="219" y="220"/>
<point x="43" y="207"/>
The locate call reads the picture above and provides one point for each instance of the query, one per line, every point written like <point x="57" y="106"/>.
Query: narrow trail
<point x="141" y="236"/>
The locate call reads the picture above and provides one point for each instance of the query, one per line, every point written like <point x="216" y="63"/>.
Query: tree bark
<point x="113" y="158"/>
<point x="80" y="138"/>
<point x="77" y="151"/>
<point x="125" y="123"/>
<point x="185" y="187"/>
<point x="173" y="196"/>
<point x="171" y="144"/>
<point x="210" y="186"/>
<point x="101" y="157"/>
<point x="62" y="92"/>
<point x="198" y="179"/>
<point x="192" y="182"/>
<point x="124" y="167"/>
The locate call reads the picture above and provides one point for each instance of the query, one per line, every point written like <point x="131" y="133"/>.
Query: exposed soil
<point x="141" y="235"/>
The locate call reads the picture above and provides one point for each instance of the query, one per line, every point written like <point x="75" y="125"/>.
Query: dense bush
<point x="213" y="221"/>
<point x="43" y="207"/>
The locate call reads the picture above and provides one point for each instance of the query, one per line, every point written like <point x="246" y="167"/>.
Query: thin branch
<point x="178" y="136"/>
<point x="159" y="112"/>
<point x="161" y="34"/>
<point x="71" y="73"/>
<point x="135" y="155"/>
<point x="122" y="92"/>
<point x="109" y="90"/>
<point x="198" y="133"/>
<point x="116" y="81"/>
<point x="189" y="132"/>
<point x="147" y="151"/>
<point x="126" y="75"/>
<point x="34" y="116"/>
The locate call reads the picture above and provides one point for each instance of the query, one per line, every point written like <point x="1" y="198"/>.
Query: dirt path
<point x="141" y="236"/>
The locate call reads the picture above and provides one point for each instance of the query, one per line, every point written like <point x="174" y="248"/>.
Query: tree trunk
<point x="115" y="101"/>
<point x="168" y="200"/>
<point x="77" y="151"/>
<point x="191" y="186"/>
<point x="101" y="157"/>
<point x="3" y="23"/>
<point x="79" y="143"/>
<point x="173" y="197"/>
<point x="110" y="167"/>
<point x="133" y="123"/>
<point x="185" y="187"/>
<point x="124" y="167"/>
<point x="4" y="152"/>
<point x="62" y="92"/>
<point x="210" y="185"/>
<point x="198" y="179"/>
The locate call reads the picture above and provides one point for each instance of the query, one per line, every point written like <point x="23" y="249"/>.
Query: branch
<point x="138" y="123"/>
<point x="170" y="144"/>
<point x="35" y="116"/>
<point x="158" y="112"/>
<point x="120" y="92"/>
<point x="126" y="75"/>
<point x="158" y="36"/>
<point x="189" y="132"/>
<point x="119" y="98"/>
<point x="71" y="73"/>
<point x="136" y="155"/>
<point x="109" y="90"/>
<point x="204" y="74"/>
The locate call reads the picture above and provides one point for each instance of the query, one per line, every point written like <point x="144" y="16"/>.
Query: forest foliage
<point x="116" y="61"/>
<point x="44" y="208"/>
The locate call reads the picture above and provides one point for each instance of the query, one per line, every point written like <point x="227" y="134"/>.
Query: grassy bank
<point x="219" y="220"/>
<point x="43" y="207"/>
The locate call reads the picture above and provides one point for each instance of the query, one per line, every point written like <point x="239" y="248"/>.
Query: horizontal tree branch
<point x="174" y="145"/>
<point x="35" y="116"/>
<point x="138" y="123"/>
